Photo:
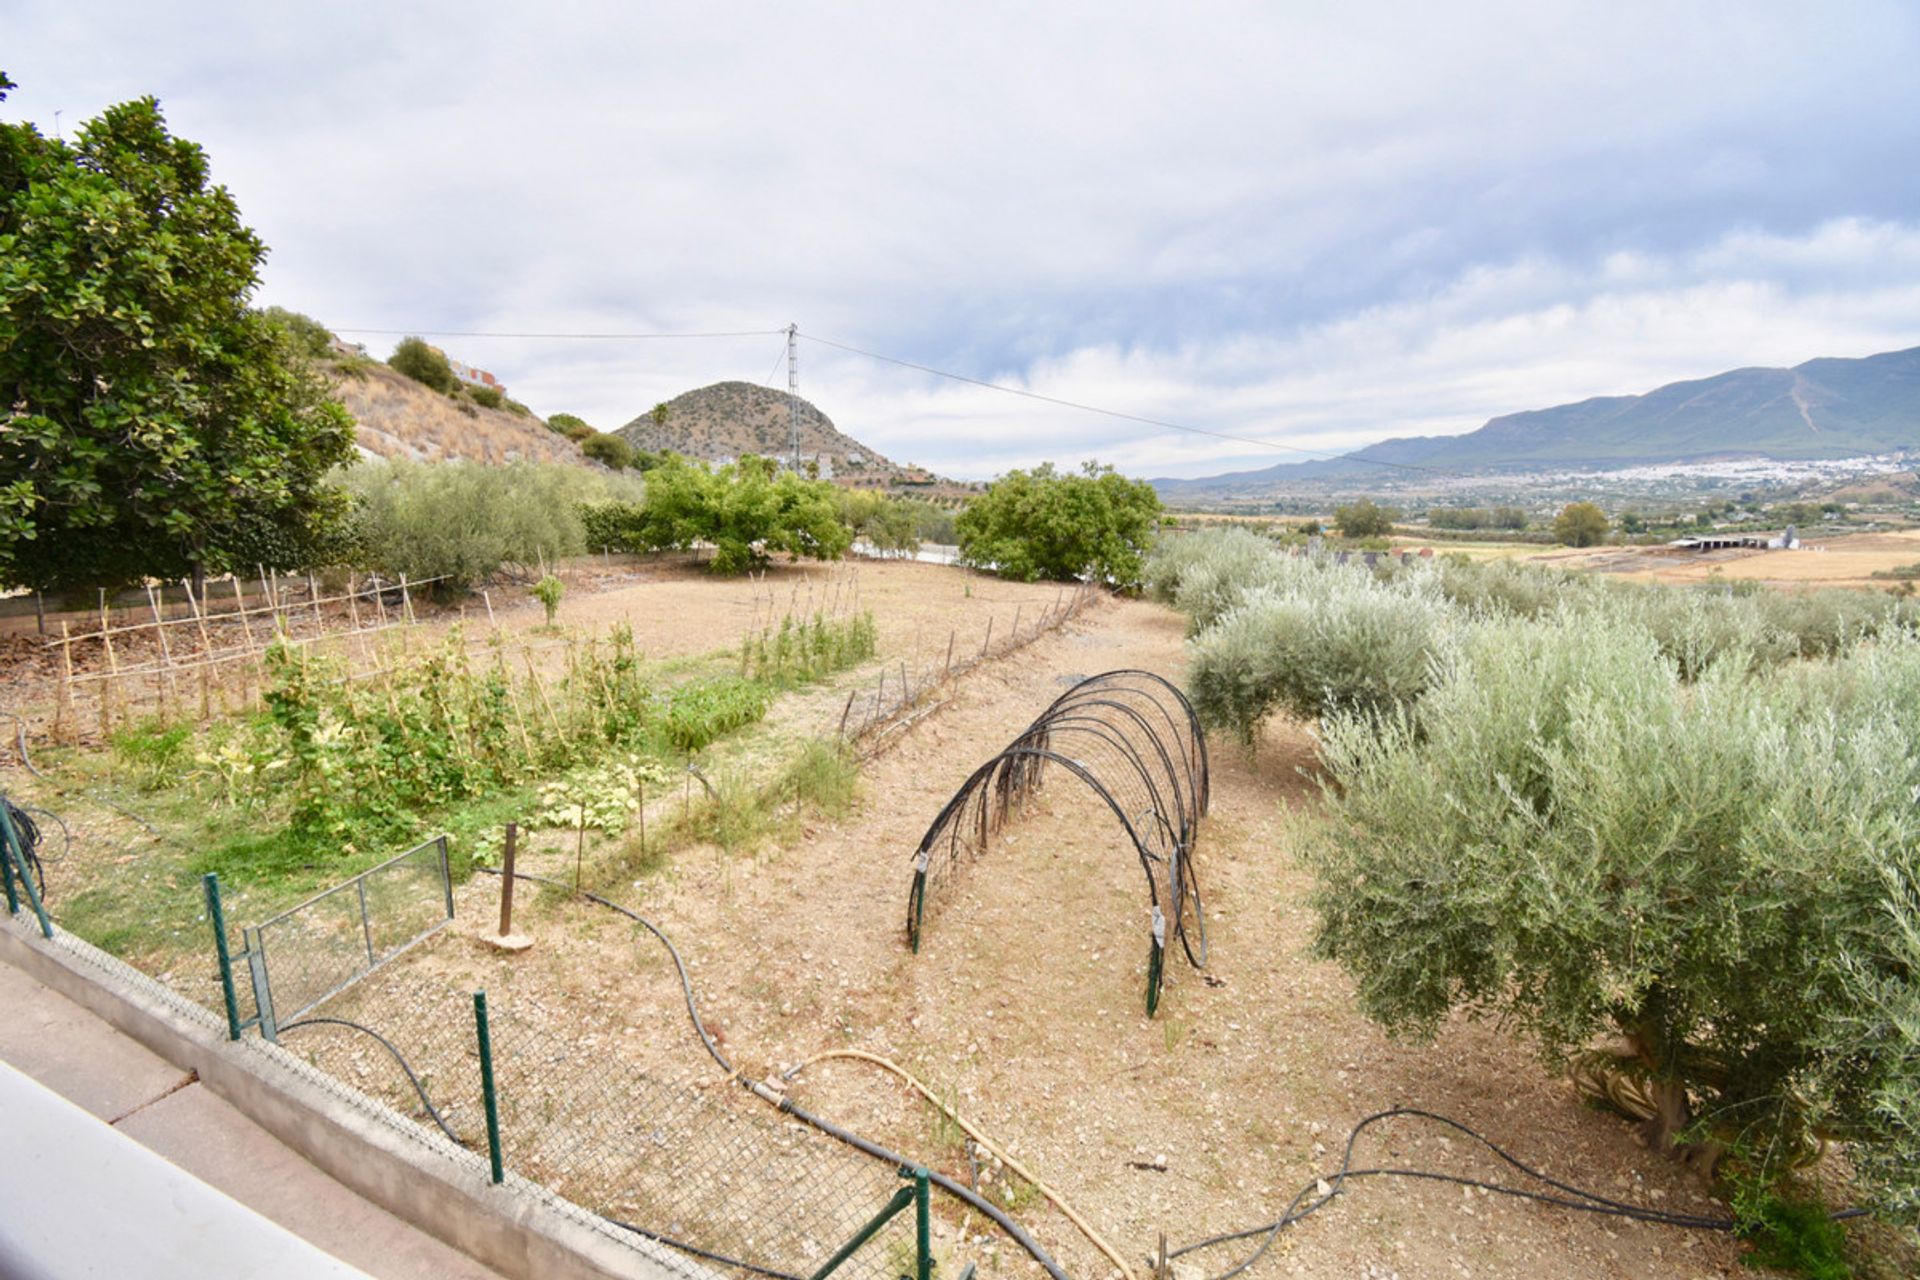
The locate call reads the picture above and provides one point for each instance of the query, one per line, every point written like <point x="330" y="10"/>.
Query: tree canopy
<point x="156" y="424"/>
<point x="746" y="510"/>
<point x="1364" y="519"/>
<point x="1043" y="524"/>
<point x="1580" y="524"/>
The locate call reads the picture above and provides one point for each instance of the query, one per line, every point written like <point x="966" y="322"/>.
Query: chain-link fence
<point x="692" y="1160"/>
<point x="296" y="960"/>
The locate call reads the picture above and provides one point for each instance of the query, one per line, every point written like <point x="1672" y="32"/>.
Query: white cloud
<point x="1326" y="224"/>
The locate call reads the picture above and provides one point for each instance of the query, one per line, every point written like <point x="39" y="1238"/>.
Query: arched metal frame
<point x="1134" y="740"/>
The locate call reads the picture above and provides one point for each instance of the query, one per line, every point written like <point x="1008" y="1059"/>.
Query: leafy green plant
<point x="609" y="450"/>
<point x="1796" y="1236"/>
<point x="701" y="711"/>
<point x="467" y="521"/>
<point x="1043" y="524"/>
<point x="1337" y="641"/>
<point x="548" y="592"/>
<point x="604" y="796"/>
<point x="156" y="423"/>
<point x="797" y="653"/>
<point x="1566" y="834"/>
<point x="153" y="749"/>
<point x="824" y="777"/>
<point x="426" y="365"/>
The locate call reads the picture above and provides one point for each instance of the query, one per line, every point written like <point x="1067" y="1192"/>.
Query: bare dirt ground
<point x="1847" y="561"/>
<point x="1025" y="1007"/>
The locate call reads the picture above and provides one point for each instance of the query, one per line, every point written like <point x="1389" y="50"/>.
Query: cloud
<point x="1324" y="224"/>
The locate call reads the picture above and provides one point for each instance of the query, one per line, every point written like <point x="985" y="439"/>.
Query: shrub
<point x="567" y="424"/>
<point x="1042" y="524"/>
<point x="1497" y="588"/>
<point x="745" y="511"/>
<point x="1580" y="524"/>
<point x="487" y="397"/>
<point x="1563" y="835"/>
<point x="889" y="525"/>
<point x="609" y="450"/>
<point x="466" y="521"/>
<point x="1334" y="641"/>
<point x="308" y="336"/>
<point x="1364" y="519"/>
<point x="702" y="710"/>
<point x="824" y="777"/>
<point x="424" y="364"/>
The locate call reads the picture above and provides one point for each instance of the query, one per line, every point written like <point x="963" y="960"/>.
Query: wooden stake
<point x="949" y="670"/>
<point x="845" y="712"/>
<point x="984" y="644"/>
<point x="166" y="651"/>
<point x="1016" y="625"/>
<point x="506" y="881"/>
<point x="66" y="721"/>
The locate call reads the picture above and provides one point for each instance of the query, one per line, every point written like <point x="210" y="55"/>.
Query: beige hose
<point x="1086" y="1229"/>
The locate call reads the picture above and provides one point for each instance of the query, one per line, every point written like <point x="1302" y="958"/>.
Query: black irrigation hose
<point x="686" y="983"/>
<point x="941" y="1180"/>
<point x="27" y="832"/>
<point x="698" y="1252"/>
<point x="20" y="740"/>
<point x="1575" y="1197"/>
<point x="1012" y="1228"/>
<point x="398" y="1057"/>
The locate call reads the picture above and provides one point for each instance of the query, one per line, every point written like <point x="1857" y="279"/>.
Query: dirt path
<point x="1026" y="1008"/>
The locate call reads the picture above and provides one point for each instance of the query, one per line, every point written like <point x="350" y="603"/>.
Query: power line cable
<point x="1124" y="417"/>
<point x="611" y="337"/>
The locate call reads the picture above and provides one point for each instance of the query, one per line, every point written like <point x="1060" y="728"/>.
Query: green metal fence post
<point x="922" y="1223"/>
<point x="486" y="1086"/>
<point x="901" y="1199"/>
<point x="17" y="863"/>
<point x="218" y="919"/>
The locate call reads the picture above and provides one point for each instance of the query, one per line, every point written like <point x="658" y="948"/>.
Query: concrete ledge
<point x="421" y="1178"/>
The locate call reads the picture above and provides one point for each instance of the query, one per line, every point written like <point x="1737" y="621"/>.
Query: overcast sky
<point x="1319" y="228"/>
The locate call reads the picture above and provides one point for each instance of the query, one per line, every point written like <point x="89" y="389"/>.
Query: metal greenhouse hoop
<point x="1133" y="739"/>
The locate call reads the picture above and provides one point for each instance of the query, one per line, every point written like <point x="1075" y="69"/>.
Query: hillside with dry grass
<point x="396" y="417"/>
<point x="728" y="419"/>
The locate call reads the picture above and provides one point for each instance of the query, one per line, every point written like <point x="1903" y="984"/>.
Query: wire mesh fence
<point x="692" y="1160"/>
<point x="321" y="946"/>
<point x="902" y="688"/>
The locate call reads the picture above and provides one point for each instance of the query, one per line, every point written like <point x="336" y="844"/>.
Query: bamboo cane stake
<point x="66" y="729"/>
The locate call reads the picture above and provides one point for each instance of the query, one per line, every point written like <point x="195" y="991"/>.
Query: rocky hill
<point x="396" y="417"/>
<point x="727" y="419"/>
<point x="1822" y="409"/>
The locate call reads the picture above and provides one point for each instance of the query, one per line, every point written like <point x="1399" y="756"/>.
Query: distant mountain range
<point x="727" y="419"/>
<point x="1821" y="409"/>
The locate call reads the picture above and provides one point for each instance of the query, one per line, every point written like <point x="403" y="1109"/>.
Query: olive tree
<point x="1564" y="835"/>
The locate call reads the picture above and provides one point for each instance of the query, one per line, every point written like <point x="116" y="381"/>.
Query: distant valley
<point x="1823" y="411"/>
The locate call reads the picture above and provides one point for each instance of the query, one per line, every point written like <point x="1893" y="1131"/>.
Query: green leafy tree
<point x="746" y="511"/>
<point x="1043" y="524"/>
<point x="425" y="364"/>
<point x="307" y="336"/>
<point x="659" y="414"/>
<point x="1566" y="836"/>
<point x="1363" y="519"/>
<point x="611" y="450"/>
<point x="155" y="424"/>
<point x="1580" y="524"/>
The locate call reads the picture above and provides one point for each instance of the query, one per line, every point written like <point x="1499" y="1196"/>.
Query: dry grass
<point x="399" y="418"/>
